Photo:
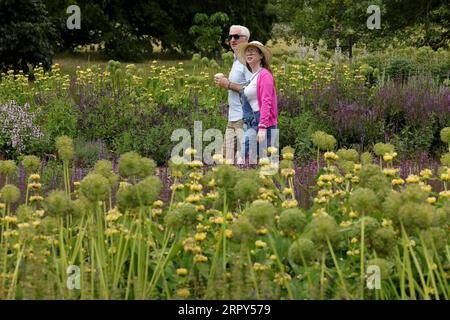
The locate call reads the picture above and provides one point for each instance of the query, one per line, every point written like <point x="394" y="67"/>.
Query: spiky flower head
<point x="292" y="221"/>
<point x="8" y="167"/>
<point x="24" y="213"/>
<point x="381" y="149"/>
<point x="95" y="187"/>
<point x="246" y="189"/>
<point x="148" y="167"/>
<point x="445" y="159"/>
<point x="384" y="241"/>
<point x="288" y="153"/>
<point x="435" y="238"/>
<point x="302" y="251"/>
<point x="226" y="176"/>
<point x="261" y="214"/>
<point x="323" y="141"/>
<point x="57" y="203"/>
<point x="104" y="168"/>
<point x="64" y="145"/>
<point x="184" y="215"/>
<point x="348" y="154"/>
<point x="364" y="200"/>
<point x="31" y="164"/>
<point x="10" y="194"/>
<point x="384" y="266"/>
<point x="445" y="135"/>
<point x="130" y="164"/>
<point x="149" y="189"/>
<point x="366" y="158"/>
<point x="324" y="227"/>
<point x="243" y="231"/>
<point x="415" y="216"/>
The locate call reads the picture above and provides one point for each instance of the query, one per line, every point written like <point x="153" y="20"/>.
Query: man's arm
<point x="226" y="84"/>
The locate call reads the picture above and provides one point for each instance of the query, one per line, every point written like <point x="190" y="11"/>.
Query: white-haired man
<point x="239" y="74"/>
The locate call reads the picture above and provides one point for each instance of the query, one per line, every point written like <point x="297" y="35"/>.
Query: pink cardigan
<point x="267" y="99"/>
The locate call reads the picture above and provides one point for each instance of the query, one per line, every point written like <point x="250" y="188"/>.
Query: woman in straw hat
<point x="260" y="100"/>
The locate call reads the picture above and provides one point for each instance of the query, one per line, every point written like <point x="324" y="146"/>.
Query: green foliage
<point x="207" y="32"/>
<point x="26" y="35"/>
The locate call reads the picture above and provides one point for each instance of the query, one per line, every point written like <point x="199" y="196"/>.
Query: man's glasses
<point x="235" y="36"/>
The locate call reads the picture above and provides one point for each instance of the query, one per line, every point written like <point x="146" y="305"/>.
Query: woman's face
<point x="253" y="55"/>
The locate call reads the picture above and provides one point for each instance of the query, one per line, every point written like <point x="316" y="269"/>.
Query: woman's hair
<point x="264" y="63"/>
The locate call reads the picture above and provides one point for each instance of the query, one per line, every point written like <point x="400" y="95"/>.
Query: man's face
<point x="235" y="42"/>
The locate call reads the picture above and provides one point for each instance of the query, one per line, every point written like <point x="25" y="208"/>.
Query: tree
<point x="207" y="32"/>
<point x="26" y="35"/>
<point x="419" y="23"/>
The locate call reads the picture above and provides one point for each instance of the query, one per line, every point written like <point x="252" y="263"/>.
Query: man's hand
<point x="221" y="82"/>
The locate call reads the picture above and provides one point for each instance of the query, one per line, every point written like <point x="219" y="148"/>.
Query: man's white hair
<point x="244" y="30"/>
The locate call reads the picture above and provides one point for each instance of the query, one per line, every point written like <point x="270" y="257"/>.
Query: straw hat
<point x="240" y="51"/>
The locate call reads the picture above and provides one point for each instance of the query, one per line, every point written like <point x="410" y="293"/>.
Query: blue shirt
<point x="239" y="74"/>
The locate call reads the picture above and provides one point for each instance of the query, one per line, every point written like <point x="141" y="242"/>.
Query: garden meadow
<point x="358" y="207"/>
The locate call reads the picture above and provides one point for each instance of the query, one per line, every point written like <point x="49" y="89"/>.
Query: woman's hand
<point x="261" y="135"/>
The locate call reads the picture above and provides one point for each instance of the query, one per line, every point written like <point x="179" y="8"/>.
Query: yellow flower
<point x="397" y="182"/>
<point x="354" y="240"/>
<point x="412" y="179"/>
<point x="353" y="214"/>
<point x="357" y="167"/>
<point x="2" y="205"/>
<point x="426" y="173"/>
<point x="262" y="231"/>
<point x="330" y="156"/>
<point x="412" y="243"/>
<point x="288" y="191"/>
<point x="183" y="293"/>
<point x="288" y="156"/>
<point x="200" y="236"/>
<point x="10" y="219"/>
<point x="212" y="195"/>
<point x="260" y="244"/>
<point x="36" y="198"/>
<point x="35" y="177"/>
<point x="35" y="186"/>
<point x="287" y="172"/>
<point x="445" y="177"/>
<point x="228" y="233"/>
<point x="386" y="223"/>
<point x="292" y="203"/>
<point x="431" y="200"/>
<point x="196" y="164"/>
<point x="355" y="179"/>
<point x="192" y="198"/>
<point x="182" y="271"/>
<point x="196" y="187"/>
<point x="345" y="224"/>
<point x="264" y="161"/>
<point x="199" y="258"/>
<point x="200" y="208"/>
<point x="156" y="212"/>
<point x="272" y="150"/>
<point x="158" y="203"/>
<point x="445" y="194"/>
<point x="390" y="172"/>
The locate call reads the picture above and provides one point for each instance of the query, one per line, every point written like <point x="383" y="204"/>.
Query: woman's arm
<point x="265" y="100"/>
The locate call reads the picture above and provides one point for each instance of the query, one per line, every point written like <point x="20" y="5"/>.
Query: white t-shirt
<point x="251" y="92"/>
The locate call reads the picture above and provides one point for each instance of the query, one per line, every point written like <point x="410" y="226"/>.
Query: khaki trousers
<point x="233" y="140"/>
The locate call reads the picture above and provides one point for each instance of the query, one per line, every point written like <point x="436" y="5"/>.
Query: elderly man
<point x="239" y="74"/>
